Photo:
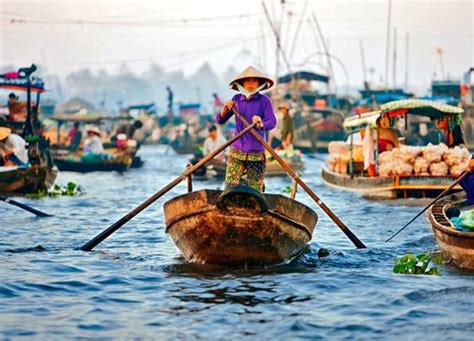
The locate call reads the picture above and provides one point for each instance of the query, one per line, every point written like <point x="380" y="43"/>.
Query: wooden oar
<point x="443" y="193"/>
<point x="25" y="207"/>
<point x="300" y="182"/>
<point x="122" y="221"/>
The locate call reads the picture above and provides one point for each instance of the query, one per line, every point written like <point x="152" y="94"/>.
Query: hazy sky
<point x="66" y="35"/>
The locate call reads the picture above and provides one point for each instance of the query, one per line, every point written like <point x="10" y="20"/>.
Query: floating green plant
<point x="71" y="189"/>
<point x="418" y="265"/>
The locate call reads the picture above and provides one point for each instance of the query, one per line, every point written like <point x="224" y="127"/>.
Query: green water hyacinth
<point x="71" y="189"/>
<point x="418" y="265"/>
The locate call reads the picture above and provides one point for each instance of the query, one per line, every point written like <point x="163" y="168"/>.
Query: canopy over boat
<point x="433" y="110"/>
<point x="304" y="75"/>
<point x="19" y="82"/>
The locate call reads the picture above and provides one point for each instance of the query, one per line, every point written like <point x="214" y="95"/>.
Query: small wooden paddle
<point x="300" y="182"/>
<point x="443" y="193"/>
<point x="25" y="207"/>
<point x="126" y="218"/>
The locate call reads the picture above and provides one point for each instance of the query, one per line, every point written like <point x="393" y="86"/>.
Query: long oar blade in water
<point x="356" y="241"/>
<point x="126" y="218"/>
<point x="25" y="207"/>
<point x="443" y="193"/>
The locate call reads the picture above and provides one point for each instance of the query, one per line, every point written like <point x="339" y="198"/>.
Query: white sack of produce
<point x="386" y="169"/>
<point x="408" y="154"/>
<point x="401" y="168"/>
<point x="332" y="160"/>
<point x="458" y="169"/>
<point x="439" y="169"/>
<point x="456" y="156"/>
<point x="338" y="147"/>
<point x="385" y="157"/>
<point x="434" y="153"/>
<point x="421" y="166"/>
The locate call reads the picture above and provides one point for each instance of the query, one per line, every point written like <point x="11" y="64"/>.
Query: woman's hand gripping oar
<point x="300" y="182"/>
<point x="122" y="221"/>
<point x="25" y="207"/>
<point x="443" y="193"/>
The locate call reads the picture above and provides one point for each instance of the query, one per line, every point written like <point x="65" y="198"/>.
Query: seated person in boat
<point x="17" y="110"/>
<point x="387" y="136"/>
<point x="246" y="159"/>
<point x="93" y="142"/>
<point x="74" y="137"/>
<point x="213" y="142"/>
<point x="13" y="148"/>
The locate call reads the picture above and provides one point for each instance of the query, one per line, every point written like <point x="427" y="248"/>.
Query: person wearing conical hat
<point x="247" y="154"/>
<point x="93" y="142"/>
<point x="13" y="148"/>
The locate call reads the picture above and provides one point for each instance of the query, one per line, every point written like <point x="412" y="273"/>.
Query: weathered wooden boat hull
<point x="27" y="180"/>
<point x="238" y="236"/>
<point x="458" y="246"/>
<point x="390" y="187"/>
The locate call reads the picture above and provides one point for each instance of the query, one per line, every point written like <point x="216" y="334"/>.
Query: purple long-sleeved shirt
<point x="468" y="185"/>
<point x="257" y="105"/>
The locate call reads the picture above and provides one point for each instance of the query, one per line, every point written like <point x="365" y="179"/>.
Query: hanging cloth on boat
<point x="368" y="148"/>
<point x="465" y="221"/>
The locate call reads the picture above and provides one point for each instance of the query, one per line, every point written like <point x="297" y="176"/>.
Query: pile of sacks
<point x="436" y="160"/>
<point x="340" y="154"/>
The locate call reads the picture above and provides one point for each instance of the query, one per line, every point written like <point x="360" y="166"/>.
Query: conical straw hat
<point x="251" y="72"/>
<point x="4" y="132"/>
<point x="94" y="130"/>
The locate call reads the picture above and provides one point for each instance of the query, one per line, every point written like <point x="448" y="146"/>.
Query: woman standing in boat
<point x="246" y="159"/>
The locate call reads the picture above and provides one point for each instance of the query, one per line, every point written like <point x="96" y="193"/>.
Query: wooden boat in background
<point x="73" y="163"/>
<point x="217" y="169"/>
<point x="391" y="187"/>
<point x="458" y="246"/>
<point x="239" y="227"/>
<point x="409" y="185"/>
<point x="41" y="171"/>
<point x="15" y="180"/>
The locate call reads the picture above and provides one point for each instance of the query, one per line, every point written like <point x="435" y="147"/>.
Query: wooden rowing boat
<point x="15" y="180"/>
<point x="239" y="227"/>
<point x="73" y="163"/>
<point x="392" y="187"/>
<point x="458" y="246"/>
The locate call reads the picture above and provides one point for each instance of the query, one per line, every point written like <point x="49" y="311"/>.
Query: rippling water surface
<point x="136" y="284"/>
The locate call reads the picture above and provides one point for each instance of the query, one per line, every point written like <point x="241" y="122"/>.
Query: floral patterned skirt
<point x="245" y="168"/>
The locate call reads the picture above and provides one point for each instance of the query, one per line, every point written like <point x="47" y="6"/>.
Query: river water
<point x="136" y="284"/>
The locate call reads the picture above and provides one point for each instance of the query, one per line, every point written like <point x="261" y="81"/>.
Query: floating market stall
<point x="40" y="173"/>
<point x="403" y="172"/>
